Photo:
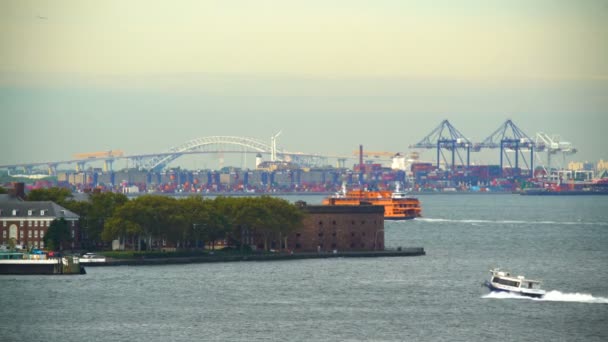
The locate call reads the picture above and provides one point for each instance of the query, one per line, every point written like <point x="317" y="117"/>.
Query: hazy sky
<point x="144" y="76"/>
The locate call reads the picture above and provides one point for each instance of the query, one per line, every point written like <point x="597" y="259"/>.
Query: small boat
<point x="398" y="205"/>
<point x="503" y="281"/>
<point x="92" y="258"/>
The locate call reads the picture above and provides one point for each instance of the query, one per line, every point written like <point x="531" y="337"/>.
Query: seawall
<point x="404" y="252"/>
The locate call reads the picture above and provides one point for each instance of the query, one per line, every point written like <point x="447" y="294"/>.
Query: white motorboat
<point x="505" y="282"/>
<point x="92" y="258"/>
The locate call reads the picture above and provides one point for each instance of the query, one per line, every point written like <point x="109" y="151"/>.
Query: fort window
<point x="353" y="222"/>
<point x="334" y="222"/>
<point x="363" y="233"/>
<point x="29" y="223"/>
<point x="333" y="234"/>
<point x="352" y="245"/>
<point x="298" y="234"/>
<point x="320" y="234"/>
<point x="41" y="234"/>
<point x="362" y="245"/>
<point x="4" y="234"/>
<point x="333" y="245"/>
<point x="352" y="234"/>
<point x="320" y="223"/>
<point x="363" y="222"/>
<point x="298" y="245"/>
<point x="29" y="233"/>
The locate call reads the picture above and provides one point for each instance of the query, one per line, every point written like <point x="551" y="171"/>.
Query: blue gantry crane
<point x="447" y="137"/>
<point x="509" y="138"/>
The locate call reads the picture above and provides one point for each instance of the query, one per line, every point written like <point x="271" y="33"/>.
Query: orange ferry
<point x="397" y="205"/>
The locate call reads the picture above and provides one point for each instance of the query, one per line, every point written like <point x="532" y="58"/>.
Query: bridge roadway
<point x="157" y="161"/>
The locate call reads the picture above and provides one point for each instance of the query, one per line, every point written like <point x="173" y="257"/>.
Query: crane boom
<point x="104" y="154"/>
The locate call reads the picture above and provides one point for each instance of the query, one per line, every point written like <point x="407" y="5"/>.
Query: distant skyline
<point x="140" y="76"/>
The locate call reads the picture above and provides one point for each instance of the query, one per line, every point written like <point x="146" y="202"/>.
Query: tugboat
<point x="503" y="281"/>
<point x="397" y="204"/>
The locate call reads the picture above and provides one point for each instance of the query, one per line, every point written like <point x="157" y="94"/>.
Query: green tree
<point x="58" y="235"/>
<point x="3" y="190"/>
<point x="57" y="195"/>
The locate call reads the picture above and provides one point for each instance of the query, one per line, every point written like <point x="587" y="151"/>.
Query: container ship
<point x="397" y="204"/>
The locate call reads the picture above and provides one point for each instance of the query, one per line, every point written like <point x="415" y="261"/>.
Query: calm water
<point x="437" y="297"/>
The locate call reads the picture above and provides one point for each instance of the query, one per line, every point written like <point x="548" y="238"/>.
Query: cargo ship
<point x="397" y="204"/>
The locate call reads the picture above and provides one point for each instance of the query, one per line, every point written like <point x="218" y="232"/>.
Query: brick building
<point x="28" y="222"/>
<point x="341" y="228"/>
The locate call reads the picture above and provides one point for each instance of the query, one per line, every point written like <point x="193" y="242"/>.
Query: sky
<point x="145" y="76"/>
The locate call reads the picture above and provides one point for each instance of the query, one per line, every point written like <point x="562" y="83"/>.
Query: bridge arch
<point x="160" y="162"/>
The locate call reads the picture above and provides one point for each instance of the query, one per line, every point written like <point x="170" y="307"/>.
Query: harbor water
<point x="562" y="241"/>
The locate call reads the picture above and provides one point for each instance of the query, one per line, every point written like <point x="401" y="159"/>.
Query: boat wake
<point x="439" y="220"/>
<point x="552" y="296"/>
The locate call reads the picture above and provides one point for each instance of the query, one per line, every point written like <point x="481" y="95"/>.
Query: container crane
<point x="104" y="154"/>
<point x="508" y="137"/>
<point x="445" y="136"/>
<point x="376" y="154"/>
<point x="554" y="145"/>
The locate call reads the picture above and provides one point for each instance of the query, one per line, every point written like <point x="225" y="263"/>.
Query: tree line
<point x="152" y="221"/>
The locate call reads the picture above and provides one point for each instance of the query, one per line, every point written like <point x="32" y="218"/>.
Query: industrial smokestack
<point x="361" y="158"/>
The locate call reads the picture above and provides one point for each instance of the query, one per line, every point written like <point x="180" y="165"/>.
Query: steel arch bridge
<point x="159" y="162"/>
